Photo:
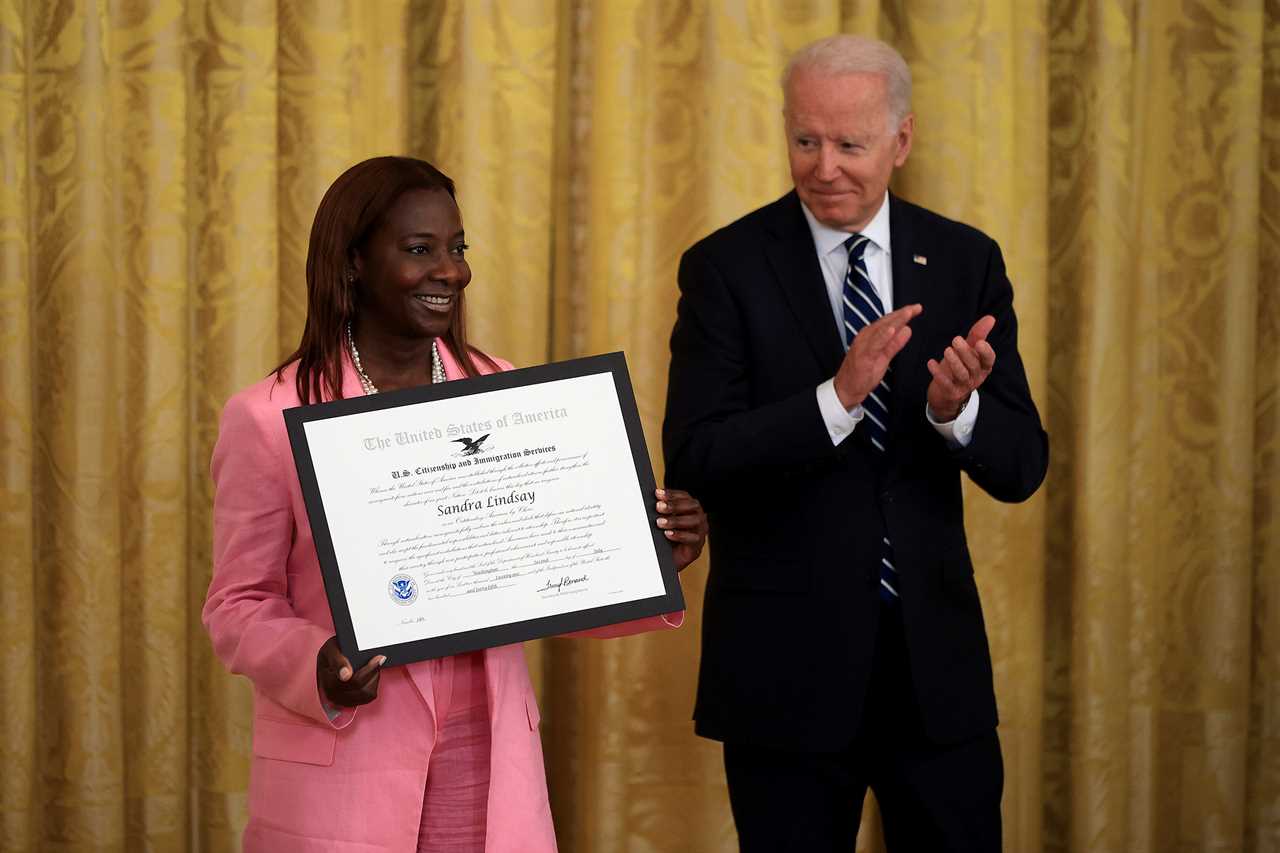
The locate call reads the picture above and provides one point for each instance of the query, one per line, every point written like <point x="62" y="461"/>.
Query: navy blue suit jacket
<point x="792" y="603"/>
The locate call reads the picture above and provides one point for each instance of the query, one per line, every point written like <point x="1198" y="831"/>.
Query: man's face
<point x="841" y="144"/>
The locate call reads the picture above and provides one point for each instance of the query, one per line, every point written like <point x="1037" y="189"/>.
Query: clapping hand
<point x="964" y="366"/>
<point x="869" y="355"/>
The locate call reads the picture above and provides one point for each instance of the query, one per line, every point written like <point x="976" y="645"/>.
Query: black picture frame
<point x="614" y="363"/>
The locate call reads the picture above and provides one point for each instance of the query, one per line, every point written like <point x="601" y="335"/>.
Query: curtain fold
<point x="1262" y="806"/>
<point x="18" y="631"/>
<point x="1157" y="159"/>
<point x="159" y="167"/>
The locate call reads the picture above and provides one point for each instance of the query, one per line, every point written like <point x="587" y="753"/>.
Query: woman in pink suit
<point x="432" y="756"/>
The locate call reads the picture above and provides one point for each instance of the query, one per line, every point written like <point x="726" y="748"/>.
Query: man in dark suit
<point x="843" y="642"/>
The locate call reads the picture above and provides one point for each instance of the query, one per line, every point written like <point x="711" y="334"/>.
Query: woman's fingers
<point x="340" y="682"/>
<point x="683" y="523"/>
<point x="334" y="661"/>
<point x="369" y="670"/>
<point x="689" y="521"/>
<point x="678" y="509"/>
<point x="674" y="502"/>
<point x="366" y="679"/>
<point x="362" y="688"/>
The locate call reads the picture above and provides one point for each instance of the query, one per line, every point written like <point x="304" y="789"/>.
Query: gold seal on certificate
<point x="483" y="512"/>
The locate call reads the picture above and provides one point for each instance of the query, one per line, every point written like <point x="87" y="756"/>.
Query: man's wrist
<point x="840" y="421"/>
<point x="846" y="398"/>
<point x="948" y="416"/>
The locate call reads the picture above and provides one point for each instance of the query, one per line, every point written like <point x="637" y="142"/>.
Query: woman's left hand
<point x="684" y="523"/>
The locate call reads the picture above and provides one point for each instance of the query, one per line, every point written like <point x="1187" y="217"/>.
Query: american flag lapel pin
<point x="921" y="260"/>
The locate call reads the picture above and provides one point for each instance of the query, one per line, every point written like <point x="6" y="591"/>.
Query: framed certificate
<point x="485" y="511"/>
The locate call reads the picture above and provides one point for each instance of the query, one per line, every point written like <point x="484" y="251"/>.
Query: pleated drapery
<point x="160" y="163"/>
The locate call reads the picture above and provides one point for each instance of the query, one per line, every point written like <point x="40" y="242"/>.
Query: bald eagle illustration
<point x="472" y="447"/>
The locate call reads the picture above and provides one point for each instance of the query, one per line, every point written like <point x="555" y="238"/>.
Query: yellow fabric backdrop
<point x="160" y="163"/>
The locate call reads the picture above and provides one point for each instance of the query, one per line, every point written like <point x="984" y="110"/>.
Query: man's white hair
<point x="850" y="54"/>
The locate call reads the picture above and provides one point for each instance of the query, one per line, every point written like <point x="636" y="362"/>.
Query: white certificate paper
<point x="484" y="511"/>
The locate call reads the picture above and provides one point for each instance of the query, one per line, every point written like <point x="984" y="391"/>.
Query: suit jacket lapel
<point x="794" y="262"/>
<point x="910" y="285"/>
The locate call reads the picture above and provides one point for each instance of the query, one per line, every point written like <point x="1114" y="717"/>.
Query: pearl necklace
<point x="437" y="366"/>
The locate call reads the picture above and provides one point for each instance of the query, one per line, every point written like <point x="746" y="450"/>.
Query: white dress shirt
<point x="833" y="258"/>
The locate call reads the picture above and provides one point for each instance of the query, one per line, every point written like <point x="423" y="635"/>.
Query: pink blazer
<point x="354" y="783"/>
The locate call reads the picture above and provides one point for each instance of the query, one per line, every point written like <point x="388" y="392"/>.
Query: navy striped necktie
<point x="862" y="307"/>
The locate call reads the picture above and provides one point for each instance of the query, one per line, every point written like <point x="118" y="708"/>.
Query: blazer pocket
<point x="284" y="741"/>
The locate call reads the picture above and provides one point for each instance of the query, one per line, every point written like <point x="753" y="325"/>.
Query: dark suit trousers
<point x="932" y="797"/>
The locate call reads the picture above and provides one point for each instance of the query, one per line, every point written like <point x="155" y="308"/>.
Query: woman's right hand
<point x="339" y="684"/>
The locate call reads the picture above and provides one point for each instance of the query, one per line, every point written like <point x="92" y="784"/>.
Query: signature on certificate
<point x="564" y="581"/>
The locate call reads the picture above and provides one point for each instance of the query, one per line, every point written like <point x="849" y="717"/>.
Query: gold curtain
<point x="161" y="161"/>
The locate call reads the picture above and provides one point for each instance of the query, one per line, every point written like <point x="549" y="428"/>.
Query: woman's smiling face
<point x="412" y="267"/>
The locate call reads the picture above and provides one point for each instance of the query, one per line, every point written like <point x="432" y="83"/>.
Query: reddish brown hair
<point x="349" y="212"/>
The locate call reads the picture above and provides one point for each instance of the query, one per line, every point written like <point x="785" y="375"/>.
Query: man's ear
<point x="906" y="132"/>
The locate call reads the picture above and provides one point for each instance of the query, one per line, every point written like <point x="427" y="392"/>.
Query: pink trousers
<point x="456" y="799"/>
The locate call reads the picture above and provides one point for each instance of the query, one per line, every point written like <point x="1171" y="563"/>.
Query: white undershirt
<point x="833" y="258"/>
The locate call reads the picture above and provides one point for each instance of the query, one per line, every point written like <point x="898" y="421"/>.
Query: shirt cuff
<point x="958" y="433"/>
<point x="839" y="420"/>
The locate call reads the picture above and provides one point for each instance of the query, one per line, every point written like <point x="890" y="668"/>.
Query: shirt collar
<point x="827" y="239"/>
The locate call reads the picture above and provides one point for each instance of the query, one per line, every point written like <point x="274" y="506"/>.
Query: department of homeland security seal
<point x="402" y="589"/>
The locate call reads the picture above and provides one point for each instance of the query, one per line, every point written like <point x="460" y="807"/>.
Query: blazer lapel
<point x="794" y="262"/>
<point x="910" y="285"/>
